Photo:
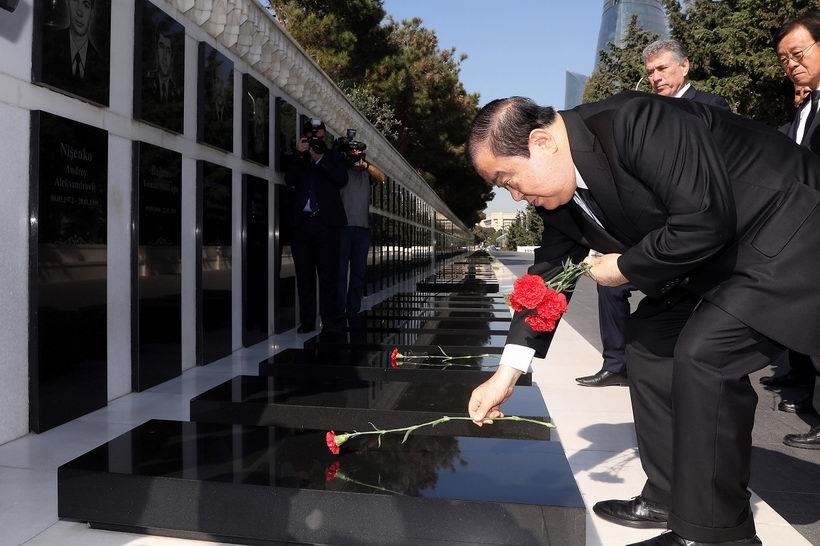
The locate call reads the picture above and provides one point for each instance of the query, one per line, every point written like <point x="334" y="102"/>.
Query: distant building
<point x="618" y="13"/>
<point x="498" y="220"/>
<point x="574" y="89"/>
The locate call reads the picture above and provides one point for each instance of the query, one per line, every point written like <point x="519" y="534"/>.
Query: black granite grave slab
<point x="377" y="365"/>
<point x="479" y="342"/>
<point x="356" y="404"/>
<point x="442" y="285"/>
<point x="262" y="485"/>
<point x="433" y="314"/>
<point x="424" y="326"/>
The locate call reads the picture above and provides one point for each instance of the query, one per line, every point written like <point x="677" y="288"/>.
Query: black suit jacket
<point x="705" y="98"/>
<point x="698" y="197"/>
<point x="331" y="175"/>
<point x="812" y="140"/>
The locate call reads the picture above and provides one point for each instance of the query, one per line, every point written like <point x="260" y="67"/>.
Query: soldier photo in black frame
<point x="159" y="67"/>
<point x="71" y="45"/>
<point x="255" y="120"/>
<point x="285" y="123"/>
<point x="214" y="98"/>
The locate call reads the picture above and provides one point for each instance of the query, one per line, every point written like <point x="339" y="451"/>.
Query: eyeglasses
<point x="797" y="56"/>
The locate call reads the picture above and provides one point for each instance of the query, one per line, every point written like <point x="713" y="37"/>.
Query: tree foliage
<point x="525" y="230"/>
<point x="620" y="68"/>
<point x="384" y="65"/>
<point x="730" y="46"/>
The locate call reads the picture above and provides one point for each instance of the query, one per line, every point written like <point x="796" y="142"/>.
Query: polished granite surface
<point x="252" y="484"/>
<point x="434" y="313"/>
<point x="356" y="404"/>
<point x="482" y="342"/>
<point x="419" y="365"/>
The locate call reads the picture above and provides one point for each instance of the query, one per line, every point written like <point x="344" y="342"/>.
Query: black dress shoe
<point x="603" y="379"/>
<point x="803" y="405"/>
<point x="636" y="512"/>
<point x="810" y="440"/>
<point x="671" y="539"/>
<point x="788" y="379"/>
<point x="305" y="328"/>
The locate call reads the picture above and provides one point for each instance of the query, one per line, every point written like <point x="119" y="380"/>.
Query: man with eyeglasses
<point x="797" y="53"/>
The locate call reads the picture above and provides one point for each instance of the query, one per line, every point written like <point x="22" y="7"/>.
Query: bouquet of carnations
<point x="546" y="298"/>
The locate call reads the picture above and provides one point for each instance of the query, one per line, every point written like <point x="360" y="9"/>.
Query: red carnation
<point x="330" y="439"/>
<point x="393" y="356"/>
<point x="540" y="324"/>
<point x="553" y="305"/>
<point x="528" y="291"/>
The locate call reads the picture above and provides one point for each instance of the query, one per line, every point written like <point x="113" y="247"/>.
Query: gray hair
<point x="659" y="46"/>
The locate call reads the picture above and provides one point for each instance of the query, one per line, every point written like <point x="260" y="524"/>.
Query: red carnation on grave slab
<point x="393" y="357"/>
<point x="330" y="439"/>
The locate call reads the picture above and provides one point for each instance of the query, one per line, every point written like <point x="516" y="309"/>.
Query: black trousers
<point x="315" y="248"/>
<point x="613" y="314"/>
<point x="694" y="408"/>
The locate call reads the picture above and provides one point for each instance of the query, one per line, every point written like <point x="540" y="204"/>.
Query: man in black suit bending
<point x="315" y="175"/>
<point x="667" y="68"/>
<point x="716" y="219"/>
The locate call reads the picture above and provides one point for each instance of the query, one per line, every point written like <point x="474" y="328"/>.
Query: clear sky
<point x="514" y="47"/>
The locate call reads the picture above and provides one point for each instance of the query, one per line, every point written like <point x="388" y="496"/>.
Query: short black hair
<point x="505" y="126"/>
<point x="810" y="20"/>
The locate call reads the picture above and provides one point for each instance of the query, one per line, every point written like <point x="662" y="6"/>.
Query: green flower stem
<point x="342" y="438"/>
<point x="563" y="281"/>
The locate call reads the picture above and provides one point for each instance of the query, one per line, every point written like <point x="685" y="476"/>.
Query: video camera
<point x="316" y="143"/>
<point x="350" y="148"/>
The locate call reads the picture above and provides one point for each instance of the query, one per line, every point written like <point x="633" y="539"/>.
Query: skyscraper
<point x="574" y="89"/>
<point x="618" y="13"/>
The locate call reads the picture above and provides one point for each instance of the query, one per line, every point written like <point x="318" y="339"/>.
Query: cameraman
<point x="355" y="237"/>
<point x="315" y="175"/>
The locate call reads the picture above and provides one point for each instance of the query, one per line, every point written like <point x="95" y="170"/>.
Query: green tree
<point x="730" y="46"/>
<point x="525" y="230"/>
<point x="620" y="68"/>
<point x="397" y="66"/>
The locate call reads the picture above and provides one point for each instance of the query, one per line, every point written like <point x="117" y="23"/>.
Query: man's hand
<point x="487" y="398"/>
<point x="302" y="146"/>
<point x="604" y="270"/>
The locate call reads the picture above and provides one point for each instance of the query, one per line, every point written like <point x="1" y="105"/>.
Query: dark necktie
<point x="815" y="97"/>
<point x="78" y="63"/>
<point x="591" y="204"/>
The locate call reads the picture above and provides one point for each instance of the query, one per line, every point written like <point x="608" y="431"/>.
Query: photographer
<point x="355" y="237"/>
<point x="315" y="175"/>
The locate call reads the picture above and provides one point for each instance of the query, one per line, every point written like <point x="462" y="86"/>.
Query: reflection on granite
<point x="250" y="484"/>
<point x="434" y="313"/>
<point x="373" y="365"/>
<point x="353" y="404"/>
<point x="363" y="339"/>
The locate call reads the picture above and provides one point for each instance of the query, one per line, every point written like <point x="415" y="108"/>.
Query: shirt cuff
<point x="517" y="356"/>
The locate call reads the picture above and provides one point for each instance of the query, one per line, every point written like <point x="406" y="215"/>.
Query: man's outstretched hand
<point x="486" y="400"/>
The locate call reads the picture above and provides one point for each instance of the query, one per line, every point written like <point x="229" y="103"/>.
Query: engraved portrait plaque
<point x="159" y="67"/>
<point x="215" y="99"/>
<point x="71" y="45"/>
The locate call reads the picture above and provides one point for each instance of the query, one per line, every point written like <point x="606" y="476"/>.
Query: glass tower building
<point x="618" y="13"/>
